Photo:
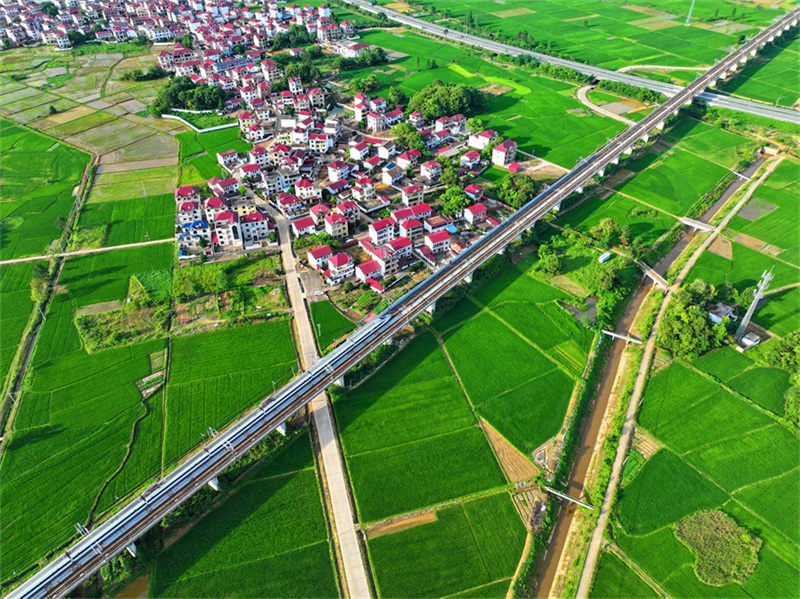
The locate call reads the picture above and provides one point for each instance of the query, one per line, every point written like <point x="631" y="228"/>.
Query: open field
<point x="615" y="579"/>
<point x="773" y="214"/>
<point x="781" y="314"/>
<point x="330" y="325"/>
<point x="534" y="113"/>
<point x="469" y="545"/>
<point x="773" y="77"/>
<point x="37" y="189"/>
<point x="105" y="277"/>
<point x="409" y="437"/>
<point x="204" y="390"/>
<point x="711" y="143"/>
<point x="722" y="452"/>
<point x="131" y="221"/>
<point x="71" y="434"/>
<point x="644" y="222"/>
<point x="611" y="35"/>
<point x="269" y="538"/>
<point x="673" y="181"/>
<point x="515" y="319"/>
<point x="15" y="310"/>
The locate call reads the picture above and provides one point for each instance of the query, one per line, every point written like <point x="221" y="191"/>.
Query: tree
<point x="516" y="190"/>
<point x="61" y="223"/>
<point x="222" y="284"/>
<point x="140" y="40"/>
<point x="348" y="286"/>
<point x="52" y="109"/>
<point x="685" y="329"/>
<point x="607" y="232"/>
<point x="475" y="125"/>
<point x="454" y="200"/>
<point x="186" y="40"/>
<point x="701" y="292"/>
<point x="439" y="99"/>
<point x="449" y="176"/>
<point x="49" y="9"/>
<point x="397" y="96"/>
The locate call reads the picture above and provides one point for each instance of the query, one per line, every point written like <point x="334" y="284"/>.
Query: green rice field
<point x="772" y="215"/>
<point x="615" y="579"/>
<point x="517" y="353"/>
<point x="721" y="450"/>
<point x="772" y="77"/>
<point x="105" y="277"/>
<point x="409" y="438"/>
<point x="644" y="222"/>
<point x="38" y="176"/>
<point x="133" y="220"/>
<point x="205" y="390"/>
<point x="15" y="310"/>
<point x="540" y="114"/>
<point x="471" y="546"/>
<point x="268" y="539"/>
<point x="330" y="325"/>
<point x="723" y="148"/>
<point x="613" y="35"/>
<point x="71" y="435"/>
<point x="673" y="181"/>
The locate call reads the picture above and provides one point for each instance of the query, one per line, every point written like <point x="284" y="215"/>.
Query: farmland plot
<point x="37" y="189"/>
<point x="267" y="539"/>
<point x="517" y="353"/>
<point x="409" y="437"/>
<point x="773" y="77"/>
<point x="615" y="579"/>
<point x="15" y="310"/>
<point x="721" y="452"/>
<point x="469" y="546"/>
<point x="213" y="377"/>
<point x="73" y="431"/>
<point x="330" y="325"/>
<point x="133" y="220"/>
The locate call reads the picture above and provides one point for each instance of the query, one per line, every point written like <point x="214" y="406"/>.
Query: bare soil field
<point x="404" y="523"/>
<point x="515" y="465"/>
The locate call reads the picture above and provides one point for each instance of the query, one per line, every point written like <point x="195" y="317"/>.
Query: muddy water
<point x="589" y="434"/>
<point x="136" y="589"/>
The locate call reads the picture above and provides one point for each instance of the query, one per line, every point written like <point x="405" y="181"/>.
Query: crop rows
<point x="469" y="545"/>
<point x="267" y="539"/>
<point x="330" y="325"/>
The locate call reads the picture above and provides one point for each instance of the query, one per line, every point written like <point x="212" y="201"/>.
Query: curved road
<point x="668" y="89"/>
<point x="121" y="529"/>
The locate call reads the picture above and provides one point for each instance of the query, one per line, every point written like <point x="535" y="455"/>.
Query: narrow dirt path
<point x="110" y="248"/>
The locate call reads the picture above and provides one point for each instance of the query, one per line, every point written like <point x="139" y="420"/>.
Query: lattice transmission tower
<point x="766" y="277"/>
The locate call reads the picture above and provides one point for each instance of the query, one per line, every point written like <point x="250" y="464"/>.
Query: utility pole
<point x="766" y="277"/>
<point x="689" y="16"/>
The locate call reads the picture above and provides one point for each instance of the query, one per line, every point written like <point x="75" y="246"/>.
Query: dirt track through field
<point x="382" y="530"/>
<point x="514" y="463"/>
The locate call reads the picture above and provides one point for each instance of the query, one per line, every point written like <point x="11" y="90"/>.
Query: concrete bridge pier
<point x="615" y="160"/>
<point x="214" y="483"/>
<point x="132" y="550"/>
<point x="468" y="278"/>
<point x="752" y="53"/>
<point x="282" y="429"/>
<point x="660" y="125"/>
<point x="645" y="137"/>
<point x="340" y="381"/>
<point x="628" y="150"/>
<point x="601" y="172"/>
<point x="431" y="308"/>
<point x="580" y="190"/>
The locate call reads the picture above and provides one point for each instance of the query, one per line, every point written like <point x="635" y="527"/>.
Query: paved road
<point x="343" y="519"/>
<point x="668" y="89"/>
<point x="583" y="97"/>
<point x="629" y="427"/>
<point x="110" y="248"/>
<point x="120" y="529"/>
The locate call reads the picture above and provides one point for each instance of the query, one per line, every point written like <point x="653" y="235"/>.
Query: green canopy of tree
<point x="49" y="9"/>
<point x="454" y="200"/>
<point x="516" y="190"/>
<point x="439" y="99"/>
<point x="182" y="92"/>
<point x="686" y="330"/>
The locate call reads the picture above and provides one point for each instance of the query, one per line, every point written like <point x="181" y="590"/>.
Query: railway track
<point x="121" y="529"/>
